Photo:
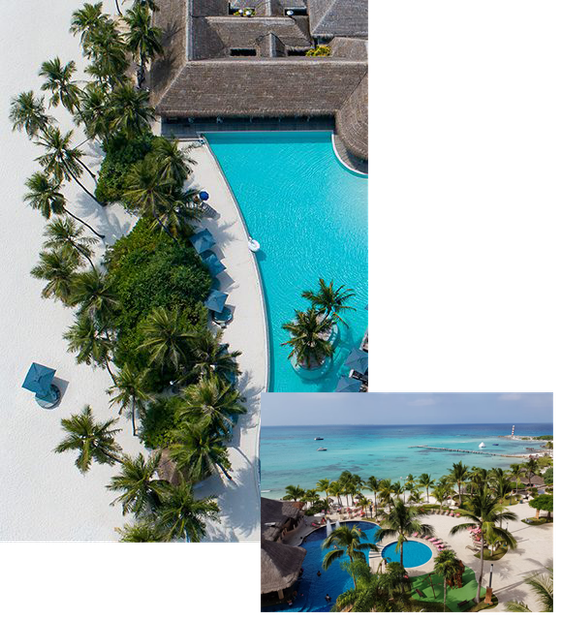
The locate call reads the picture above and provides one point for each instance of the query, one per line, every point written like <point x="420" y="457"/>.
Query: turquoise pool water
<point x="414" y="553"/>
<point x="309" y="214"/>
<point x="312" y="589"/>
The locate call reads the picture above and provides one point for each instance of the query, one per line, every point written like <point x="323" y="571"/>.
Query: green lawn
<point x="453" y="595"/>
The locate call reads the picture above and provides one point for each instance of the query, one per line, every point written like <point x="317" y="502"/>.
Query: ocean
<point x="288" y="454"/>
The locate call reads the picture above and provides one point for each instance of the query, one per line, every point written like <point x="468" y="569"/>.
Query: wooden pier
<point x="508" y="456"/>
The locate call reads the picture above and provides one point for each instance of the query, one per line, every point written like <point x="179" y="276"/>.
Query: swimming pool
<point x="415" y="553"/>
<point x="311" y="589"/>
<point x="309" y="214"/>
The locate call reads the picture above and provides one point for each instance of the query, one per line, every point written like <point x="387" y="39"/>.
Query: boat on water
<point x="495" y="444"/>
<point x="319" y="438"/>
<point x="482" y="445"/>
<point x="321" y="449"/>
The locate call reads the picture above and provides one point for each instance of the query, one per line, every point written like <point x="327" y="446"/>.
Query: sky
<point x="287" y="409"/>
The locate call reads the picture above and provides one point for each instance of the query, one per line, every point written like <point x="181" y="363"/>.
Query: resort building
<point x="280" y="563"/>
<point x="223" y="70"/>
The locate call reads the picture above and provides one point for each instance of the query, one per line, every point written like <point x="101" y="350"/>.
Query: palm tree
<point x="91" y="345"/>
<point x="330" y="301"/>
<point x="198" y="452"/>
<point x="373" y="484"/>
<point x="517" y="470"/>
<point x="45" y="196"/>
<point x="352" y="542"/>
<point x="293" y="493"/>
<point x="209" y="356"/>
<point x="542" y="587"/>
<point x="64" y="234"/>
<point x="130" y="111"/>
<point x="214" y="402"/>
<point x="165" y="338"/>
<point x="485" y="512"/>
<point x="58" y="80"/>
<point x="385" y="491"/>
<point x="94" y="441"/>
<point x="86" y="21"/>
<point x="323" y="486"/>
<point x="143" y="39"/>
<point x="459" y="472"/>
<point x="145" y="531"/>
<point x="63" y="161"/>
<point x="172" y="162"/>
<point x="140" y="490"/>
<point x="105" y="47"/>
<point x="335" y="489"/>
<point x="27" y="113"/>
<point x="184" y="516"/>
<point x="129" y="391"/>
<point x="446" y="564"/>
<point x="309" y="338"/>
<point x="531" y="468"/>
<point x="92" y="291"/>
<point x="146" y="193"/>
<point x="426" y="482"/>
<point x="59" y="270"/>
<point x="94" y="111"/>
<point x="502" y="488"/>
<point x="402" y="522"/>
<point x="373" y="591"/>
<point x="441" y="492"/>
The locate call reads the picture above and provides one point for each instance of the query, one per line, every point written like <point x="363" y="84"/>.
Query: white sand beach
<point x="44" y="497"/>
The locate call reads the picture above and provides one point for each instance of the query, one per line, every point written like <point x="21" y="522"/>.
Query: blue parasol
<point x="202" y="241"/>
<point x="358" y="361"/>
<point x="347" y="384"/>
<point x="216" y="301"/>
<point x="214" y="265"/>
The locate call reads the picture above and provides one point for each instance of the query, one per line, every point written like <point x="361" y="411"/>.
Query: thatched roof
<point x="168" y="470"/>
<point x="197" y="78"/>
<point x="276" y="511"/>
<point x="276" y="87"/>
<point x="536" y="480"/>
<point x="333" y="18"/>
<point x="280" y="565"/>
<point x="352" y="121"/>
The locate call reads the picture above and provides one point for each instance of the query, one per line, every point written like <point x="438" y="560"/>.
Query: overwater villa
<point x="224" y="70"/>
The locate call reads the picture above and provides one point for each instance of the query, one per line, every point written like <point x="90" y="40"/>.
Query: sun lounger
<point x="223" y="317"/>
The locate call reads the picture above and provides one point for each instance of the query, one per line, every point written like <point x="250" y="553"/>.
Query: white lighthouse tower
<point x="512" y="435"/>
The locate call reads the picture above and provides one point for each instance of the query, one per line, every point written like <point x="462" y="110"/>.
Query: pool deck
<point x="534" y="553"/>
<point x="239" y="499"/>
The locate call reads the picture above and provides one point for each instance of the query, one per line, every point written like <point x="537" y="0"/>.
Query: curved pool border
<point x="254" y="262"/>
<point x="357" y="173"/>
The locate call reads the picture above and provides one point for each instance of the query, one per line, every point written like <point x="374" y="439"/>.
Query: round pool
<point x="415" y="553"/>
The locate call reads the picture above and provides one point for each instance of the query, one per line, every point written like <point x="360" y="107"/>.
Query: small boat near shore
<point x="319" y="438"/>
<point x="321" y="449"/>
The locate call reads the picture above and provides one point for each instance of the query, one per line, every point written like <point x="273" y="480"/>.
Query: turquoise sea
<point x="288" y="454"/>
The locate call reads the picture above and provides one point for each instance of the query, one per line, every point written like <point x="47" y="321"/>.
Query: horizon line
<point x="410" y="424"/>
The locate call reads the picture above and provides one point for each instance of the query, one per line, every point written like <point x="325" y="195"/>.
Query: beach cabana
<point x="39" y="380"/>
<point x="214" y="265"/>
<point x="347" y="384"/>
<point x="280" y="566"/>
<point x="202" y="241"/>
<point x="216" y="301"/>
<point x="358" y="361"/>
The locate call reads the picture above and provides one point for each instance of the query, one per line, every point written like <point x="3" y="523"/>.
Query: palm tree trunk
<point x="133" y="416"/>
<point x="112" y="457"/>
<point x="165" y="228"/>
<point x="478" y="596"/>
<point x="85" y="167"/>
<point x="118" y="7"/>
<point x="77" y="248"/>
<point x="84" y="223"/>
<point x="84" y="188"/>
<point x="445" y="586"/>
<point x="224" y="471"/>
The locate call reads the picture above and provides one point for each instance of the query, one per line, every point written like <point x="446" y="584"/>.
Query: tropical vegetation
<point x="138" y="305"/>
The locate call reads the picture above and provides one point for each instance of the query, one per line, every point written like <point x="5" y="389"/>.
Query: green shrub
<point x="148" y="270"/>
<point x="548" y="476"/>
<point x="120" y="155"/>
<point x="320" y="50"/>
<point x="157" y="422"/>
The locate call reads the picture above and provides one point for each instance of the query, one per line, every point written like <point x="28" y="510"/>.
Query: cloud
<point x="512" y="396"/>
<point x="423" y="402"/>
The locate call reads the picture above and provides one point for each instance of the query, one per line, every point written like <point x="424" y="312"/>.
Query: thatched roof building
<point x="277" y="516"/>
<point x="220" y="65"/>
<point x="280" y="566"/>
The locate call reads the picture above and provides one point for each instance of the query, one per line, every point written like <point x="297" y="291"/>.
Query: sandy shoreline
<point x="44" y="496"/>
